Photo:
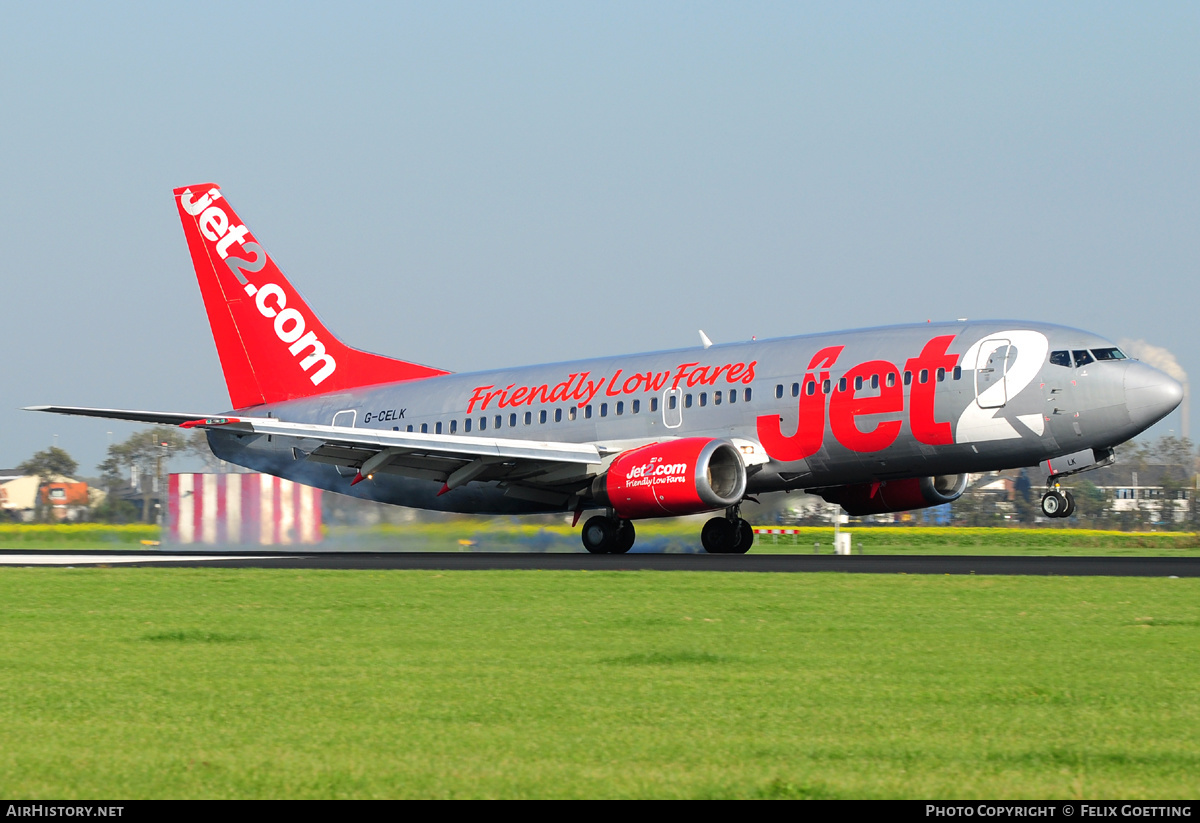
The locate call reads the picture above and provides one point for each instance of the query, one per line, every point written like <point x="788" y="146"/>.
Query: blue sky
<point x="481" y="184"/>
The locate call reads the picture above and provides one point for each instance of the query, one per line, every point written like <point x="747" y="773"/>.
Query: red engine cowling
<point x="686" y="476"/>
<point x="897" y="495"/>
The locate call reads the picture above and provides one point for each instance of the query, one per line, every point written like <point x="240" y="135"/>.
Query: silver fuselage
<point x="935" y="399"/>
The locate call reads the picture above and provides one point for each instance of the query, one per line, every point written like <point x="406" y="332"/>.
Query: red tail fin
<point x="271" y="344"/>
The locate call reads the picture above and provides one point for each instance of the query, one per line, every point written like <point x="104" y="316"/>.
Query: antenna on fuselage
<point x="704" y="341"/>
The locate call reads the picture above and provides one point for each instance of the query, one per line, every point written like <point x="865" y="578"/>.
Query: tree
<point x="148" y="451"/>
<point x="197" y="444"/>
<point x="49" y="463"/>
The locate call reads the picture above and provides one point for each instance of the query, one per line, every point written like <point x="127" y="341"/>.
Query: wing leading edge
<point x="451" y="459"/>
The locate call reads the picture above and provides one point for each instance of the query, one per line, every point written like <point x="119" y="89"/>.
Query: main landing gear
<point x="608" y="535"/>
<point x="1057" y="502"/>
<point x="727" y="535"/>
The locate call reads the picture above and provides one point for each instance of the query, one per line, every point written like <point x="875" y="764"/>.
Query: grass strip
<point x="130" y="683"/>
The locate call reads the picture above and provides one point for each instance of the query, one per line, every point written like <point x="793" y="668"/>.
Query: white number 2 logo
<point x="978" y="422"/>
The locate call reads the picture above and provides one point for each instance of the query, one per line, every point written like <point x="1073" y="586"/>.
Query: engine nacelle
<point x="897" y="495"/>
<point x="694" y="474"/>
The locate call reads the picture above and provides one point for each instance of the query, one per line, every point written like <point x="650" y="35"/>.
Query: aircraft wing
<point x="533" y="469"/>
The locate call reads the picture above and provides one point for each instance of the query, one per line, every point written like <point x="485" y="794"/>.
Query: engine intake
<point x="694" y="474"/>
<point x="897" y="495"/>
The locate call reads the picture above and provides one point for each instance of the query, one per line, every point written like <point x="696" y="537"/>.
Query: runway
<point x="490" y="561"/>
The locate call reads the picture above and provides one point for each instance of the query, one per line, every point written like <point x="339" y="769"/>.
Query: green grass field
<point x="668" y="535"/>
<point x="683" y="535"/>
<point x="128" y="683"/>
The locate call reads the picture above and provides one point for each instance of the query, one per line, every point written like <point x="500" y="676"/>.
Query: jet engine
<point x="897" y="495"/>
<point x="685" y="476"/>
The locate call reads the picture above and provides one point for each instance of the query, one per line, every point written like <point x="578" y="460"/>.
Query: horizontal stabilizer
<point x="158" y="418"/>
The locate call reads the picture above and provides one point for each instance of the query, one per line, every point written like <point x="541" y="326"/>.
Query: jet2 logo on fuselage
<point x="846" y="406"/>
<point x="979" y="421"/>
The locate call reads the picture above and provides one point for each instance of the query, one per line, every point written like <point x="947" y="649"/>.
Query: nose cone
<point x="1150" y="395"/>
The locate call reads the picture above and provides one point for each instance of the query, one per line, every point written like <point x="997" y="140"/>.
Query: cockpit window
<point x="1060" y="358"/>
<point x="1109" y="354"/>
<point x="1082" y="358"/>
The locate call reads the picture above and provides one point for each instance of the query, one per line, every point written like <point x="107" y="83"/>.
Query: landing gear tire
<point x="1055" y="504"/>
<point x="723" y="535"/>
<point x="604" y="535"/>
<point x="625" y="537"/>
<point x="600" y="535"/>
<point x="1070" y="509"/>
<point x="719" y="536"/>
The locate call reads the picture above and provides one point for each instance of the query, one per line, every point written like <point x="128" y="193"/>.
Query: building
<point x="1154" y="493"/>
<point x="67" y="499"/>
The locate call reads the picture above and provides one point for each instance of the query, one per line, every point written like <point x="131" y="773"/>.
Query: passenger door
<point x="991" y="369"/>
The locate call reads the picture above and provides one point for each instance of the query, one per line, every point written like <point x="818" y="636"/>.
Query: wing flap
<point x="428" y="444"/>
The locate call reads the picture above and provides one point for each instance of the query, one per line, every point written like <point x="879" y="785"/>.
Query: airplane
<point x="876" y="420"/>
